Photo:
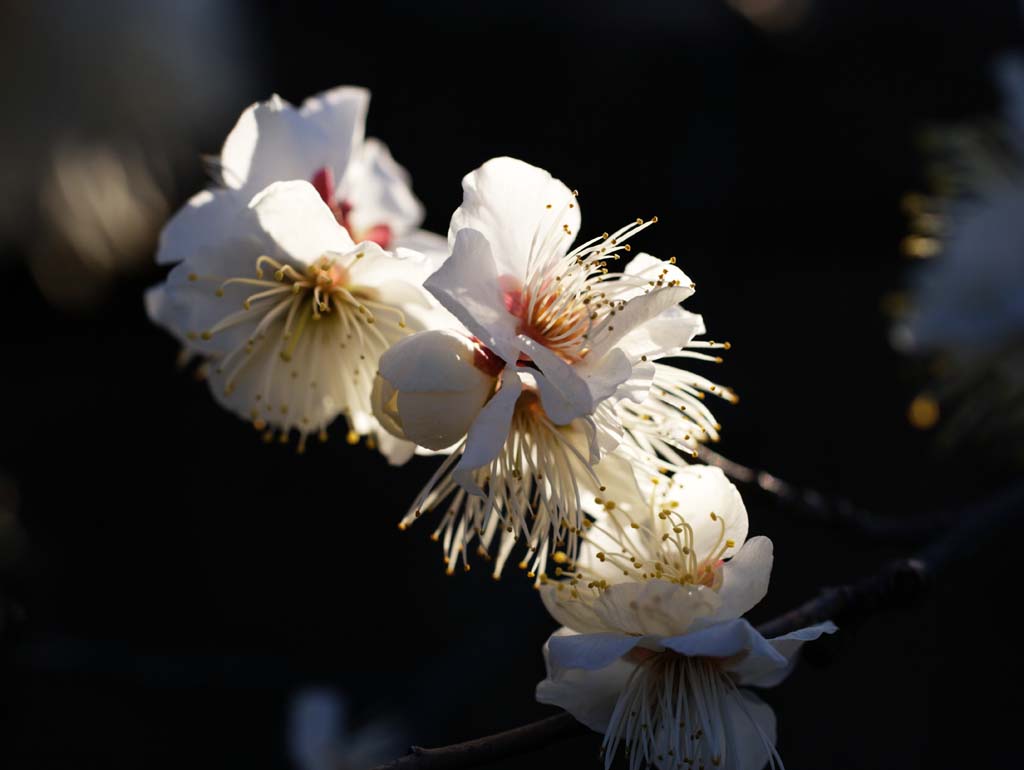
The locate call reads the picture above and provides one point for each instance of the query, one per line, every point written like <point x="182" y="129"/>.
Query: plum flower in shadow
<point x="569" y="348"/>
<point x="322" y="142"/>
<point x="653" y="651"/>
<point x="293" y="316"/>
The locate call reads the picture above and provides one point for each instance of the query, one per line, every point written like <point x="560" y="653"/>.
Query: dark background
<point x="183" y="580"/>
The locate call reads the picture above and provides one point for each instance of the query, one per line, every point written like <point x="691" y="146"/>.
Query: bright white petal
<point x="467" y="286"/>
<point x="272" y="142"/>
<point x="750" y="731"/>
<point x="761" y="671"/>
<point x="564" y="394"/>
<point x="341" y="115"/>
<point x="489" y="431"/>
<point x="589" y="696"/>
<point x="701" y="491"/>
<point x="593" y="651"/>
<point x="733" y="638"/>
<point x="654" y="607"/>
<point x="432" y="246"/>
<point x="294" y="215"/>
<point x="517" y="207"/>
<point x="745" y="578"/>
<point x="639" y="311"/>
<point x="197" y="225"/>
<point x="380" y="192"/>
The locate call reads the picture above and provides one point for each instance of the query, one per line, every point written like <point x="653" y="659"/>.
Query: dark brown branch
<point x="478" y="751"/>
<point x="898" y="584"/>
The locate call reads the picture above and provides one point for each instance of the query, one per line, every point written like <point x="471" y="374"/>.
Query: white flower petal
<point x="294" y="215"/>
<point x="701" y="490"/>
<point x="641" y="310"/>
<point x="382" y="190"/>
<point x="272" y="142"/>
<point x="761" y="671"/>
<point x="564" y="394"/>
<point x="745" y="578"/>
<point x="517" y="207"/>
<point x="593" y="651"/>
<point x="733" y="638"/>
<point x="654" y="607"/>
<point x="467" y="286"/>
<point x="340" y="114"/>
<point x="589" y="696"/>
<point x="750" y="728"/>
<point x="577" y="614"/>
<point x="197" y="225"/>
<point x="489" y="431"/>
<point x="671" y="331"/>
<point x="432" y="246"/>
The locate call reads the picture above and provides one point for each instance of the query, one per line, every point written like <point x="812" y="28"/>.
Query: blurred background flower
<point x="964" y="313"/>
<point x="320" y="738"/>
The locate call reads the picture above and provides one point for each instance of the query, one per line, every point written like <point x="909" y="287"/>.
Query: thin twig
<point x="898" y="584"/>
<point x="478" y="751"/>
<point x="820" y="508"/>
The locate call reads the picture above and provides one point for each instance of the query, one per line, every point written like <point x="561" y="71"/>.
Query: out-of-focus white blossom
<point x="964" y="312"/>
<point x="319" y="737"/>
<point x="653" y="650"/>
<point x="293" y="315"/>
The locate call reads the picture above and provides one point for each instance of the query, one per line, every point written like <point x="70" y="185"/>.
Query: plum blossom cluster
<point x="532" y="357"/>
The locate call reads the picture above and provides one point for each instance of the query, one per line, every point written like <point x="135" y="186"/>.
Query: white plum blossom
<point x="322" y="142"/>
<point x="578" y="343"/>
<point x="293" y="315"/>
<point x="653" y="650"/>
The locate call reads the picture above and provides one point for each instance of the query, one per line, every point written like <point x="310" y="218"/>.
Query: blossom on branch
<point x="293" y="316"/>
<point x="653" y="651"/>
<point x="577" y="345"/>
<point x="322" y="142"/>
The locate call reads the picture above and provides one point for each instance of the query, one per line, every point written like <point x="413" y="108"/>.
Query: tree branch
<point x="898" y="584"/>
<point x="814" y="506"/>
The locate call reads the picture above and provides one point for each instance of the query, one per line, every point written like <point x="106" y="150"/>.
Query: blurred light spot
<point x="103" y="208"/>
<point x="921" y="246"/>
<point x="773" y="15"/>
<point x="923" y="412"/>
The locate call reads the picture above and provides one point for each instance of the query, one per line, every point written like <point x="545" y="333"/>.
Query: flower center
<point x="295" y="372"/>
<point x="323" y="181"/>
<point x="663" y="549"/>
<point x="556" y="319"/>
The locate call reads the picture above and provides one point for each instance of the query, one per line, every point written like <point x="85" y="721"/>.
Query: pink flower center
<point x="323" y="181"/>
<point x="557" y="322"/>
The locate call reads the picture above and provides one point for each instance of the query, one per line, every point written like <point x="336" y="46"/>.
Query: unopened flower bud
<point x="431" y="386"/>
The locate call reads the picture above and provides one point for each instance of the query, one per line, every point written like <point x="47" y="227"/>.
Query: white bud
<point x="432" y="385"/>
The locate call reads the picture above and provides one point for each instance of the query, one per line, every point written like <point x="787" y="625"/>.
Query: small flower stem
<point x="898" y="584"/>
